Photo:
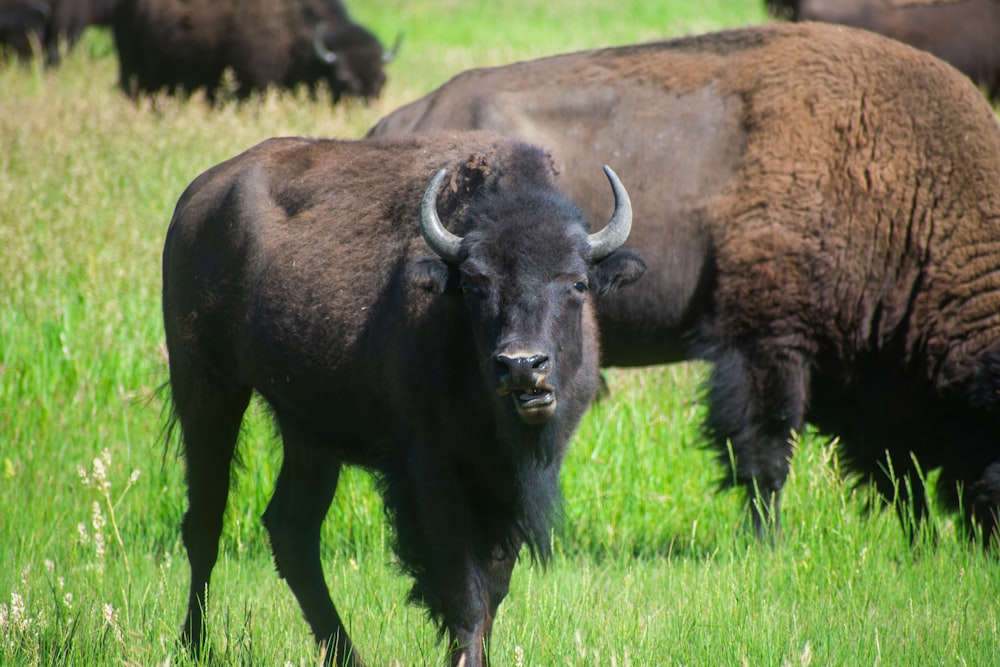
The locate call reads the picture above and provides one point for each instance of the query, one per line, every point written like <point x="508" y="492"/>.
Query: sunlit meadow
<point x="653" y="565"/>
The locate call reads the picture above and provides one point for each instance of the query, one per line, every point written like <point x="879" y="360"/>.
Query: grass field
<point x="653" y="566"/>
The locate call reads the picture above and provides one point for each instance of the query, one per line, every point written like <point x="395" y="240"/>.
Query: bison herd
<point x="813" y="209"/>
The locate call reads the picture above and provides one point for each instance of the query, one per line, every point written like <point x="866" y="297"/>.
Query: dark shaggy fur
<point x="820" y="210"/>
<point x="296" y="270"/>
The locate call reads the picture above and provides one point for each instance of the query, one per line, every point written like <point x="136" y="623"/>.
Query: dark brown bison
<point x="820" y="210"/>
<point x="187" y="45"/>
<point x="965" y="33"/>
<point x="67" y="22"/>
<point x="22" y="27"/>
<point x="455" y="366"/>
<point x="49" y="26"/>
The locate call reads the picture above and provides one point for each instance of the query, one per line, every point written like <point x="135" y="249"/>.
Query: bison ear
<point x="430" y="274"/>
<point x="618" y="269"/>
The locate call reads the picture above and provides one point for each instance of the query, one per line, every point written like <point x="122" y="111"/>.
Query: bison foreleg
<point x="467" y="618"/>
<point x="498" y="573"/>
<point x="757" y="398"/>
<point x="474" y="608"/>
<point x="302" y="496"/>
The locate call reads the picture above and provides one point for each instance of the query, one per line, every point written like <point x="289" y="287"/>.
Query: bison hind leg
<point x="210" y="420"/>
<point x="757" y="399"/>
<point x="303" y="492"/>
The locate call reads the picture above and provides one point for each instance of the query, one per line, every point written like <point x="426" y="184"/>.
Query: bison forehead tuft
<point x="528" y="224"/>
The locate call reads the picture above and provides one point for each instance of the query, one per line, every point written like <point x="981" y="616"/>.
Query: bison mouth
<point x="524" y="376"/>
<point x="534" y="405"/>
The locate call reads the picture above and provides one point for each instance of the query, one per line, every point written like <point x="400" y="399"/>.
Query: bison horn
<point x="390" y="55"/>
<point x="319" y="46"/>
<point x="614" y="234"/>
<point x="448" y="246"/>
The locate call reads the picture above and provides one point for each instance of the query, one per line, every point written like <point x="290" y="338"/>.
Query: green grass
<point x="652" y="567"/>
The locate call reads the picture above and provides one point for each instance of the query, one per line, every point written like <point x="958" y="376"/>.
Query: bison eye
<point x="470" y="288"/>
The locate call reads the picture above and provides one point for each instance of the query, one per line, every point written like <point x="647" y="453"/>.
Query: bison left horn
<point x="390" y="55"/>
<point x="614" y="234"/>
<point x="448" y="246"/>
<point x="319" y="46"/>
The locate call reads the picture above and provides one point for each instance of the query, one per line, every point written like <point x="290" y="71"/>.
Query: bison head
<point x="354" y="58"/>
<point x="525" y="271"/>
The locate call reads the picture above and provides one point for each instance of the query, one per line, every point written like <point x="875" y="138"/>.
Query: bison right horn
<point x="615" y="233"/>
<point x="319" y="45"/>
<point x="448" y="246"/>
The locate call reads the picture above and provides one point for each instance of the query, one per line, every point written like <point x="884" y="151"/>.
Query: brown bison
<point x="68" y="20"/>
<point x="454" y="363"/>
<point x="22" y="27"/>
<point x="49" y="25"/>
<point x="820" y="211"/>
<point x="187" y="45"/>
<point x="965" y="33"/>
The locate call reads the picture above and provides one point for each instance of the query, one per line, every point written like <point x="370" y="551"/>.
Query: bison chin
<point x="534" y="406"/>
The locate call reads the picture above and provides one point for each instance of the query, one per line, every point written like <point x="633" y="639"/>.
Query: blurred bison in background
<point x="22" y="27"/>
<point x="820" y="210"/>
<point x="186" y="45"/>
<point x="453" y="356"/>
<point x="965" y="33"/>
<point x="49" y="25"/>
<point x="68" y="20"/>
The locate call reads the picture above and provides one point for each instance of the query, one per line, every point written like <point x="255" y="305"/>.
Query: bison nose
<point x="520" y="371"/>
<point x="524" y="377"/>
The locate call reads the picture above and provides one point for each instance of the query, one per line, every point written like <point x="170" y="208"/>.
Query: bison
<point x="22" y="27"/>
<point x="30" y="25"/>
<point x="68" y="20"/>
<point x="965" y="33"/>
<point x="820" y="210"/>
<point x="187" y="45"/>
<point x="455" y="364"/>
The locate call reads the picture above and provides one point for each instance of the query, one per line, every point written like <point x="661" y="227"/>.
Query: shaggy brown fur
<point x="820" y="210"/>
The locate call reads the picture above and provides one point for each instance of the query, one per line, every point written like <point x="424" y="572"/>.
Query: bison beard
<point x="297" y="270"/>
<point x="822" y="217"/>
